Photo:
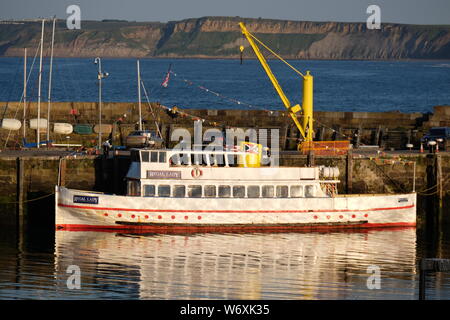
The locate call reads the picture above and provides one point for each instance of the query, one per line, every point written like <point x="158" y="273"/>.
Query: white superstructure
<point x="219" y="189"/>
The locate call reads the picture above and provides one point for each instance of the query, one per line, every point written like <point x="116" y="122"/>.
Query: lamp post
<point x="100" y="76"/>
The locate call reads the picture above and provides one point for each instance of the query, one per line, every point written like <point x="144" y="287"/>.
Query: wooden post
<point x="62" y="172"/>
<point x="358" y="136"/>
<point x="310" y="161"/>
<point x="439" y="190"/>
<point x="349" y="172"/>
<point x="20" y="195"/>
<point x="115" y="174"/>
<point x="321" y="133"/>
<point x="285" y="136"/>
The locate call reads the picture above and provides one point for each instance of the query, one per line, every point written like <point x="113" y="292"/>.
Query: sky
<point x="397" y="11"/>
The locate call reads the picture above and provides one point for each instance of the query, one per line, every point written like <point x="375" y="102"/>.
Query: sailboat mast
<point x="139" y="95"/>
<point x="50" y="84"/>
<point x="39" y="90"/>
<point x="24" y="92"/>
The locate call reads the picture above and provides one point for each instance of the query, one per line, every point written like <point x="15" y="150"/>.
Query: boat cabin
<point x="221" y="174"/>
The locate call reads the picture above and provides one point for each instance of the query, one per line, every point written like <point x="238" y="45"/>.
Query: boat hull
<point x="82" y="210"/>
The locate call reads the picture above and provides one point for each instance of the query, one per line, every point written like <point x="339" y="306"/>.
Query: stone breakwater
<point x="386" y="129"/>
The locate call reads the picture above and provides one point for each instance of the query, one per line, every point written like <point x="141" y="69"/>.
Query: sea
<point x="335" y="265"/>
<point x="366" y="86"/>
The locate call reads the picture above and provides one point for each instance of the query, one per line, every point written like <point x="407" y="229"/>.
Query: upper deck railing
<point x="180" y="157"/>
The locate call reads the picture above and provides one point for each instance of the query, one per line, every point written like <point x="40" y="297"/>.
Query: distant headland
<point x="220" y="37"/>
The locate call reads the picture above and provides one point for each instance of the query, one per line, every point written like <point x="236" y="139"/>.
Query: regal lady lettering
<point x="154" y="174"/>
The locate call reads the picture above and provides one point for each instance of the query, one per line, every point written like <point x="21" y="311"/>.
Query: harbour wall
<point x="389" y="130"/>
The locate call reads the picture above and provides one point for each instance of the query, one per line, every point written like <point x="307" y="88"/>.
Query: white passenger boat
<point x="208" y="192"/>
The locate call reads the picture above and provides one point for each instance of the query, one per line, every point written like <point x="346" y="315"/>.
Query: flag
<point x="232" y="148"/>
<point x="251" y="147"/>
<point x="165" y="83"/>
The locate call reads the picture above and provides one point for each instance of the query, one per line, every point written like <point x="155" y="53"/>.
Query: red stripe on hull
<point x="223" y="228"/>
<point x="229" y="211"/>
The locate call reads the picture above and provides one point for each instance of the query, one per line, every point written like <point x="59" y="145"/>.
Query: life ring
<point x="196" y="173"/>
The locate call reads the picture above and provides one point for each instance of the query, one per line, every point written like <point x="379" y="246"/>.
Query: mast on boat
<point x="50" y="84"/>
<point x="39" y="90"/>
<point x="139" y="95"/>
<point x="24" y="92"/>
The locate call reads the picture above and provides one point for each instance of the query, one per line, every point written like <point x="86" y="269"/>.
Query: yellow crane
<point x="306" y="109"/>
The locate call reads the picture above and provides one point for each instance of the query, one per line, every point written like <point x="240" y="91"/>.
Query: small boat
<point x="62" y="128"/>
<point x="42" y="124"/>
<point x="104" y="128"/>
<point x="11" y="124"/>
<point x="83" y="129"/>
<point x="207" y="191"/>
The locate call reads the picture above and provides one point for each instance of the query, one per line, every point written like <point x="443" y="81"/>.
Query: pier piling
<point x="20" y="195"/>
<point x="349" y="172"/>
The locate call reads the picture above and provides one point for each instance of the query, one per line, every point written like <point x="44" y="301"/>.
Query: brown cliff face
<point x="220" y="37"/>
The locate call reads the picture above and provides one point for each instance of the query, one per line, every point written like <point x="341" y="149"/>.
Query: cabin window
<point x="134" y="188"/>
<point x="253" y="191"/>
<point x="163" y="190"/>
<point x="145" y="156"/>
<point x="268" y="191"/>
<point x="195" y="191"/>
<point x="224" y="191"/>
<point x="309" y="191"/>
<point x="162" y="157"/>
<point x="282" y="191"/>
<point x="179" y="191"/>
<point x="210" y="191"/>
<point x="149" y="190"/>
<point x="296" y="191"/>
<point x="239" y="192"/>
<point x="153" y="156"/>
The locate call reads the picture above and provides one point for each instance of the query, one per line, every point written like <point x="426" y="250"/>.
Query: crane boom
<point x="306" y="127"/>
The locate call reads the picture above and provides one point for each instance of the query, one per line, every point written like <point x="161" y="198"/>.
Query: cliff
<point x="220" y="37"/>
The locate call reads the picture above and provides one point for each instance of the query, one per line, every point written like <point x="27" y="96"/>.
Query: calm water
<point x="311" y="265"/>
<point x="414" y="86"/>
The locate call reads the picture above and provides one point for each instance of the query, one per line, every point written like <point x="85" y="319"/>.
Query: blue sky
<point x="400" y="11"/>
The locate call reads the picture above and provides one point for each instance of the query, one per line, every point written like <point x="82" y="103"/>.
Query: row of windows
<point x="153" y="156"/>
<point x="225" y="191"/>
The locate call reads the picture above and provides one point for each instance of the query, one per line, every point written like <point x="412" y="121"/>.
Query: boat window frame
<point x="236" y="187"/>
<point x="145" y="190"/>
<point x="174" y="191"/>
<point x="145" y="156"/>
<point x="312" y="188"/>
<point x="190" y="188"/>
<point x="301" y="194"/>
<point x="153" y="156"/>
<point x="163" y="186"/>
<point x="208" y="186"/>
<point x="252" y="196"/>
<point x="221" y="195"/>
<point x="265" y="187"/>
<point x="282" y="187"/>
<point x="137" y="188"/>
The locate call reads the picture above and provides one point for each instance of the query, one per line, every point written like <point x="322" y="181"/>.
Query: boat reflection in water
<point x="239" y="266"/>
